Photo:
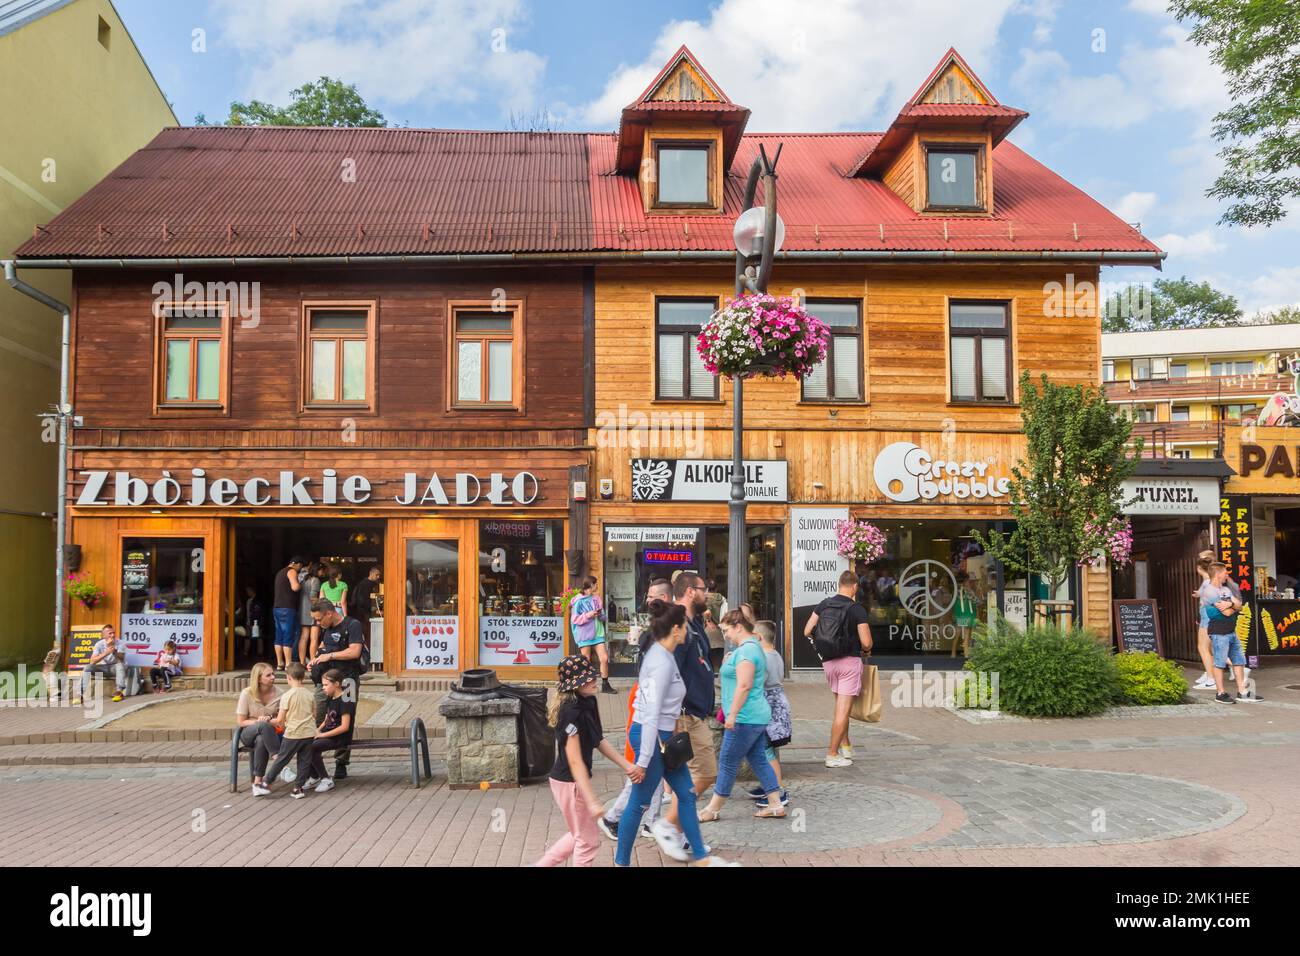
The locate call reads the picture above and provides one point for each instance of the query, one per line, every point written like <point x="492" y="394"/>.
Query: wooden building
<point x="468" y="358"/>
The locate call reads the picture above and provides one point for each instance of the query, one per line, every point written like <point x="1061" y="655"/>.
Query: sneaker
<point x="1249" y="698"/>
<point x="1204" y="682"/>
<point x="713" y="861"/>
<point x="839" y="762"/>
<point x="1223" y="699"/>
<point x="645" y="832"/>
<point x="287" y="775"/>
<point x="669" y="840"/>
<point x="609" y="827"/>
<point x="340" y="773"/>
<point x="756" y="794"/>
<point x="846" y="751"/>
<point x="762" y="800"/>
<point x="297" y="793"/>
<point x="311" y="781"/>
<point x="117" y="697"/>
<point x="607" y="688"/>
<point x="260" y="790"/>
<point x="325" y="786"/>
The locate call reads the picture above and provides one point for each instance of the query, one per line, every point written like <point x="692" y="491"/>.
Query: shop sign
<point x="432" y="642"/>
<point x="135" y="571"/>
<point x="290" y="489"/>
<point x="1275" y="463"/>
<point x="1280" y="623"/>
<point x="520" y="640"/>
<point x="1015" y="607"/>
<point x="1170" y="496"/>
<point x="905" y="471"/>
<point x="1237" y="552"/>
<point x="704" y="479"/>
<point x="143" y="636"/>
<point x="815" y="569"/>
<point x="682" y="559"/>
<point x="651" y="535"/>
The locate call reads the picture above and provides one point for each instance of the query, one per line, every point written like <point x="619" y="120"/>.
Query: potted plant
<point x="859" y="540"/>
<point x="761" y="334"/>
<point x="1113" y="540"/>
<point x="84" y="589"/>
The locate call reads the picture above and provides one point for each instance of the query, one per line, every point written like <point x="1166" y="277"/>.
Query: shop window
<point x="192" y="355"/>
<point x="162" y="598"/>
<point x="954" y="177"/>
<point x="980" y="342"/>
<point x="338" y="354"/>
<point x="683" y="174"/>
<point x="432" y="604"/>
<point x="521" y="586"/>
<point x="839" y="378"/>
<point x="679" y="371"/>
<point x="486" y="359"/>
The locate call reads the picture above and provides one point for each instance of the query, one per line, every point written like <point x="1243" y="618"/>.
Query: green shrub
<point x="1046" y="672"/>
<point x="1148" y="678"/>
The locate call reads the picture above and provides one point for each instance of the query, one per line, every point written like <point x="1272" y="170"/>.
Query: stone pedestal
<point x="482" y="741"/>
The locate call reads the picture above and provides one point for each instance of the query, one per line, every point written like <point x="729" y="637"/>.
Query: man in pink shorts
<point x="840" y="633"/>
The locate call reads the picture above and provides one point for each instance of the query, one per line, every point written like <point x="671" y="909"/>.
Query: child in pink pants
<point x="578" y="732"/>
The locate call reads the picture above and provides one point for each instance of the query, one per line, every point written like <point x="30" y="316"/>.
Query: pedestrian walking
<point x="285" y="611"/>
<point x="840" y="633"/>
<point x="747" y="714"/>
<point x="588" y="619"/>
<point x="780" y="727"/>
<point x="578" y="732"/>
<point x="660" y="750"/>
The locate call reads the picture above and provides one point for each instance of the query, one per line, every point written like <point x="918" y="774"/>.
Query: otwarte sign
<point x="1170" y="496"/>
<point x="705" y="479"/>
<point x="291" y="489"/>
<point x="904" y="471"/>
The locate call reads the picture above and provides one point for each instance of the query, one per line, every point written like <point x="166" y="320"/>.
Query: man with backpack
<point x="840" y="633"/>
<point x="342" y="647"/>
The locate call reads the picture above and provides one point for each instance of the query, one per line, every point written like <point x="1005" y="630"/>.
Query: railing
<point x="1202" y="387"/>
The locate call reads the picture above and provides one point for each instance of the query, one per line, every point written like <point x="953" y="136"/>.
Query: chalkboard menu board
<point x="1137" y="626"/>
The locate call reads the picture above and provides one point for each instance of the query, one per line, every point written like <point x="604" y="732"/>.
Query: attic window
<point x="683" y="174"/>
<point x="105" y="33"/>
<point x="954" y="177"/>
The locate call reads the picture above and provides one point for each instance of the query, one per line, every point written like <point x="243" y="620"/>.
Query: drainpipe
<point x="64" y="412"/>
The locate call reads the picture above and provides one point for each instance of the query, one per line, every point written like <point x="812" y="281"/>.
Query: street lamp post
<point x="758" y="233"/>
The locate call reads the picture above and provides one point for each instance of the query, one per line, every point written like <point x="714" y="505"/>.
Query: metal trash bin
<point x="536" y="736"/>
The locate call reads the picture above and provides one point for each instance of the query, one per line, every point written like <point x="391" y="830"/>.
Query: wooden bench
<point x="416" y="741"/>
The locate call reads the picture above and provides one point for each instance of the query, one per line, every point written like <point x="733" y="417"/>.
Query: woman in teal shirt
<point x="747" y="716"/>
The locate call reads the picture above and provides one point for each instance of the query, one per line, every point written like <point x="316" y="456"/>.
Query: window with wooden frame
<point x="192" y="352"/>
<point x="680" y="374"/>
<point x="338" y="354"/>
<point x="486" y="355"/>
<point x="954" y="177"/>
<point x="684" y="176"/>
<point x="839" y="378"/>
<point x="979" y="344"/>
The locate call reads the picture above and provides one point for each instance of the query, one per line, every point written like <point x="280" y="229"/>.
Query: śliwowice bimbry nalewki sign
<point x="289" y="489"/>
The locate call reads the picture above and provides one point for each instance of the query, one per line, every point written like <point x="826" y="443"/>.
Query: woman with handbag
<point x="746" y="718"/>
<point x="660" y="752"/>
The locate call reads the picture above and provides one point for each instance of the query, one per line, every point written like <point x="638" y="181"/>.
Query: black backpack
<point x="834" y="637"/>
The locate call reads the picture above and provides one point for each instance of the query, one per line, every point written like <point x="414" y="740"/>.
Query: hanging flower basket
<point x="760" y="334"/>
<point x="859" y="540"/>
<point x="1114" y="541"/>
<point x="85" y="590"/>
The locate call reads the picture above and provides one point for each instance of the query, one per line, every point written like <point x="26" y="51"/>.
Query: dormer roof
<point x="951" y="98"/>
<point x="682" y="90"/>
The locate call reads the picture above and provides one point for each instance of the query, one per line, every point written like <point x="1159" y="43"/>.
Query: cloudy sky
<point x="1120" y="103"/>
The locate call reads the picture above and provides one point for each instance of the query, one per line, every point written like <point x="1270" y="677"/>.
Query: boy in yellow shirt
<point x="297" y="718"/>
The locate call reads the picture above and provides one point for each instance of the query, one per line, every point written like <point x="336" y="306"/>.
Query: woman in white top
<point x="658" y="704"/>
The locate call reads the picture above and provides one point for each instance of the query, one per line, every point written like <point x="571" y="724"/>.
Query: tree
<point x="1286" y="315"/>
<point x="1257" y="43"/>
<point x="1169" y="304"/>
<point x="1065" y="491"/>
<point x="327" y="102"/>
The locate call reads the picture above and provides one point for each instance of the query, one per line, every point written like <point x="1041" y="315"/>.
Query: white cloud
<point x="1193" y="246"/>
<point x="832" y="65"/>
<point x="1155" y="8"/>
<point x="395" y="51"/>
<point x="1134" y="206"/>
<point x="1272" y="290"/>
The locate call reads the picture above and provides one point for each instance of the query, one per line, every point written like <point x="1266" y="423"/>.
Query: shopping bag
<point x="866" y="706"/>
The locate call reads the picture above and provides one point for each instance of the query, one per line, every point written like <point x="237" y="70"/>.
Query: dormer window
<point x="683" y="174"/>
<point x="954" y="177"/>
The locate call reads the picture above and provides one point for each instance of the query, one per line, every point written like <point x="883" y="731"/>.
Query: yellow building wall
<point x="76" y="111"/>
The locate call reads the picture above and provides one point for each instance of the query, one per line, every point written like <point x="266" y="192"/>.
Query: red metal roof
<point x="251" y="191"/>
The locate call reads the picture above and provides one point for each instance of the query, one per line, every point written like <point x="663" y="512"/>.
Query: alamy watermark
<point x="194" y="299"/>
<point x="678" y="431"/>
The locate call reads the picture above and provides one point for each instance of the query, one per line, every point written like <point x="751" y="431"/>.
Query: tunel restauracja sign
<point x="290" y="489"/>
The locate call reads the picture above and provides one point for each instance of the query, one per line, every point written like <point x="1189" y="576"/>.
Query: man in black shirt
<point x="842" y="662"/>
<point x="361" y="602"/>
<point x="340" y="648"/>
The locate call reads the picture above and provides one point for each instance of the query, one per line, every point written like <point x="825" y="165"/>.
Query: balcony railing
<point x="1178" y="433"/>
<point x="1201" y="387"/>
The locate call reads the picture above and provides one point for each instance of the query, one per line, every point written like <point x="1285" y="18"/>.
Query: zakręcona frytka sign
<point x="292" y="489"/>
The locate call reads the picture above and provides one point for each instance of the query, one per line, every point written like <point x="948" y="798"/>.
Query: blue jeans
<point x="1227" y="649"/>
<point x="747" y="741"/>
<point x="286" y="626"/>
<point x="680" y="782"/>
